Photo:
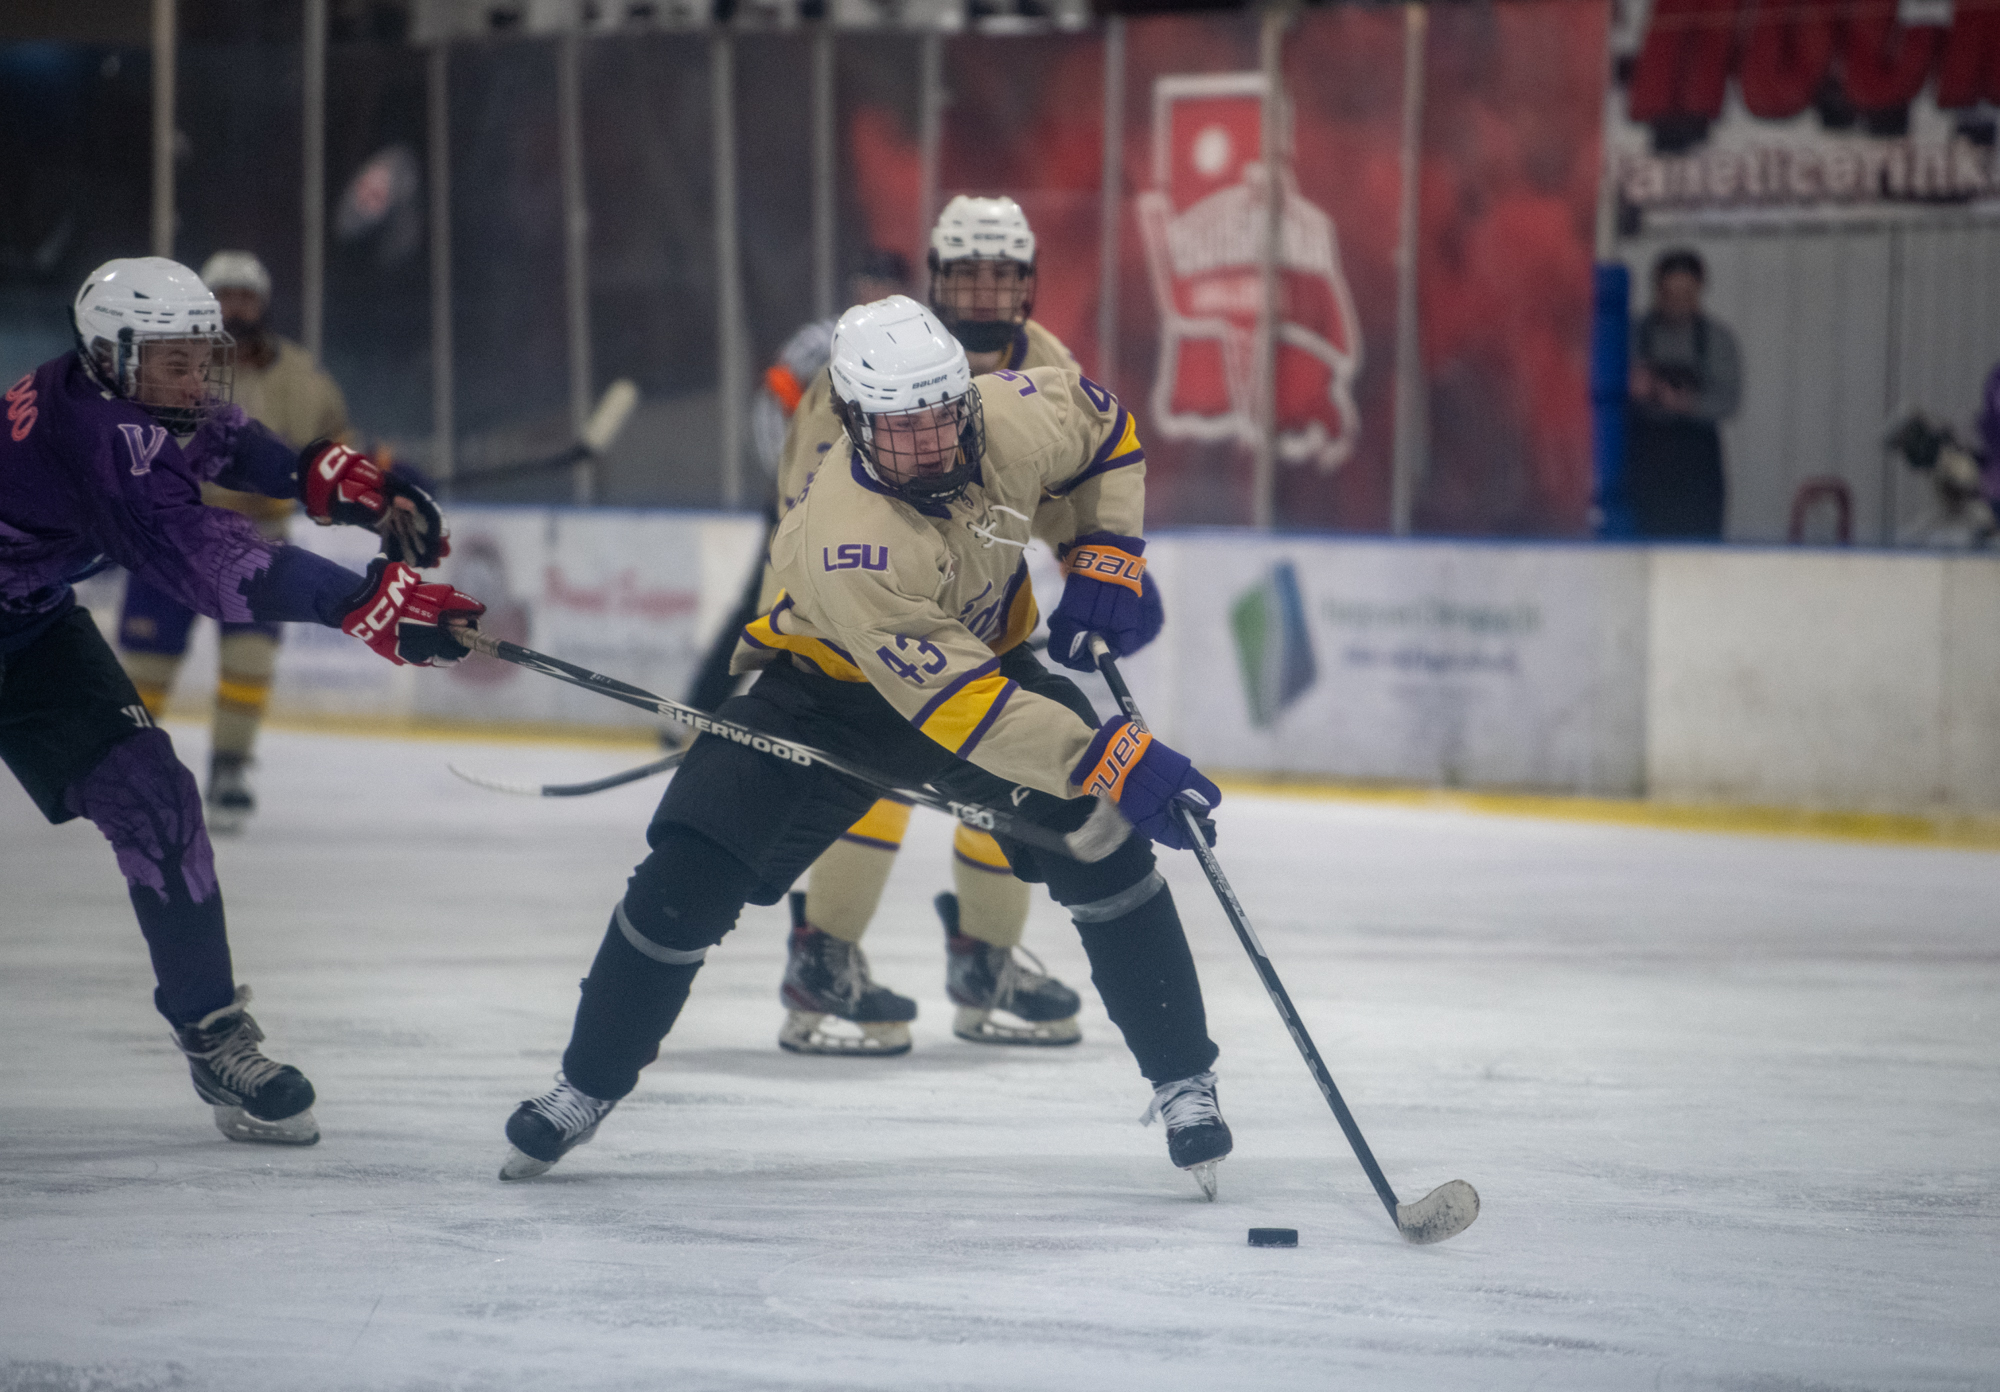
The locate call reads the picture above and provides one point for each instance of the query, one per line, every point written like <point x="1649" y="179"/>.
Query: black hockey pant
<point x="738" y="827"/>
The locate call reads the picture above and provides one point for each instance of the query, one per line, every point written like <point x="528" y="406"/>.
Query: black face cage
<point x="982" y="299"/>
<point x="115" y="366"/>
<point x="896" y="469"/>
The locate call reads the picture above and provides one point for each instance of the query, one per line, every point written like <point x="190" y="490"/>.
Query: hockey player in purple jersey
<point x="103" y="452"/>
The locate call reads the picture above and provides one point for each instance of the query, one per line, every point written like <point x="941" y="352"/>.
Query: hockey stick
<point x="596" y="785"/>
<point x="606" y="423"/>
<point x="1095" y="839"/>
<point x="1448" y="1209"/>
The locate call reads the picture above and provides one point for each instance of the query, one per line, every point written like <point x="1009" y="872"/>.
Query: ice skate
<point x="255" y="1098"/>
<point x="230" y="801"/>
<point x="1197" y="1137"/>
<point x="985" y="981"/>
<point x="546" y="1128"/>
<point x="825" y="977"/>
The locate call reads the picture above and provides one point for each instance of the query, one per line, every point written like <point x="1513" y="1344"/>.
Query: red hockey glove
<point x="1145" y="779"/>
<point x="406" y="620"/>
<point x="1107" y="592"/>
<point x="346" y="488"/>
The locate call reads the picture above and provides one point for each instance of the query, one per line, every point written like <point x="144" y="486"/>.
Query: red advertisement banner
<point x="1510" y="156"/>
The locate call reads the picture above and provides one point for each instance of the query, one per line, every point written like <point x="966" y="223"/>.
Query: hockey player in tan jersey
<point x="982" y="266"/>
<point x="898" y="644"/>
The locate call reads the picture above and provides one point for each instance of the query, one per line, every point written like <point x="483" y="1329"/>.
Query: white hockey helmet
<point x="904" y="392"/>
<point x="237" y="270"/>
<point x="131" y="303"/>
<point x="982" y="261"/>
<point x="984" y="227"/>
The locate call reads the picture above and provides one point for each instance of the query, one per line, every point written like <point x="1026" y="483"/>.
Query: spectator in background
<point x="279" y="385"/>
<point x="1687" y="378"/>
<point x="880" y="275"/>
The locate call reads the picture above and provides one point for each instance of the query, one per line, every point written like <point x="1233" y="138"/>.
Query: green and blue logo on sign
<point x="1273" y="645"/>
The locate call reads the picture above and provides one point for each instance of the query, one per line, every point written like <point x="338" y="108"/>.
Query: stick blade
<point x="1446" y="1211"/>
<point x="607" y="422"/>
<point x="498" y="785"/>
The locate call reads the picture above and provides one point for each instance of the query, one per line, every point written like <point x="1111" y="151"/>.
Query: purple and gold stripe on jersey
<point x="883" y="826"/>
<point x="980" y="851"/>
<point x="762" y="632"/>
<point x="1022" y="615"/>
<point x="1120" y="448"/>
<point x="959" y="716"/>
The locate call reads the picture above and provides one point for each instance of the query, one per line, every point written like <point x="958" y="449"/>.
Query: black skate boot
<point x="230" y="801"/>
<point x="825" y="976"/>
<point x="981" y="979"/>
<point x="1197" y="1136"/>
<point x="546" y="1128"/>
<point x="255" y="1099"/>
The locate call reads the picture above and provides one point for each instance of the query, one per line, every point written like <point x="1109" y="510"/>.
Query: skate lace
<point x="237" y="1062"/>
<point x="1012" y="975"/>
<point x="1186" y="1102"/>
<point x="570" y="1110"/>
<point x="847" y="965"/>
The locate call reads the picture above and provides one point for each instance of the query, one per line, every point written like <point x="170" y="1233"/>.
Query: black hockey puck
<point x="1274" y="1237"/>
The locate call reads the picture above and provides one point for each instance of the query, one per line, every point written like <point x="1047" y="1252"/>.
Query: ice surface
<point x="1731" y="1105"/>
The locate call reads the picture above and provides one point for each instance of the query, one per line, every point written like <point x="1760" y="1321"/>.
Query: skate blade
<point x="803" y="1033"/>
<point x="1446" y="1211"/>
<point x="239" y="1125"/>
<point x="521" y="1165"/>
<point x="1204" y="1175"/>
<point x="977" y="1026"/>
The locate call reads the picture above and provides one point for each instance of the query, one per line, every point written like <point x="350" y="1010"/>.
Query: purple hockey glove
<point x="1107" y="592"/>
<point x="1145" y="778"/>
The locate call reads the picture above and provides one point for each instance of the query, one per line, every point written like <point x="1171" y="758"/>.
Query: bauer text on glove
<point x="1145" y="778"/>
<point x="407" y="620"/>
<point x="1107" y="592"/>
<point x="345" y="487"/>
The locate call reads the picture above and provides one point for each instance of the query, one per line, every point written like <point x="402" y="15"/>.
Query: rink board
<point x="1787" y="677"/>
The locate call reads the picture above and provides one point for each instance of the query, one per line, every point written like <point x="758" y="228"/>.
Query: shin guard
<point x="1141" y="966"/>
<point x="992" y="902"/>
<point x="845" y="884"/>
<point x="630" y="1001"/>
<point x="680" y="901"/>
<point x="146" y="804"/>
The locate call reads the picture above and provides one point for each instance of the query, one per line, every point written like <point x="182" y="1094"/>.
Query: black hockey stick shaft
<point x="600" y="431"/>
<point x="1232" y="907"/>
<point x="616" y="780"/>
<point x="995" y="820"/>
<point x="470" y="478"/>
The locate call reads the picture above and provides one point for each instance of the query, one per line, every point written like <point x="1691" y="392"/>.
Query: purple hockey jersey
<point x="89" y="480"/>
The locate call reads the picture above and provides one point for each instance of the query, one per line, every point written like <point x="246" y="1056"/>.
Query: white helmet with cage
<point x="904" y="392"/>
<point x="982" y="260"/>
<point x="132" y="305"/>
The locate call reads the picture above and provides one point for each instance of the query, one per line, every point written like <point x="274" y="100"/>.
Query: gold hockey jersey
<point x="298" y="402"/>
<point x="919" y="601"/>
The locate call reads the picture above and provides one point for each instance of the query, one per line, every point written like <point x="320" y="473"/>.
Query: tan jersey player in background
<point x="899" y="642"/>
<point x="279" y="385"/>
<point x="982" y="268"/>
